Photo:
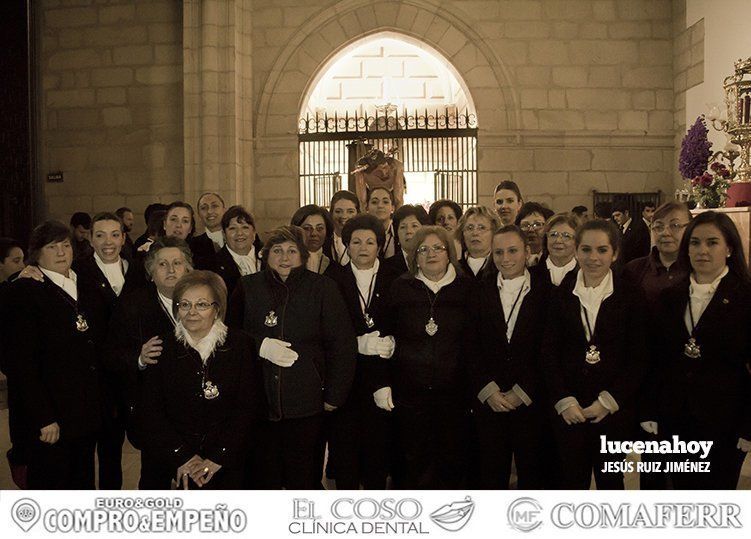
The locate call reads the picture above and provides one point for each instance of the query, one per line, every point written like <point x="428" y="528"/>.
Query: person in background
<point x="205" y="246"/>
<point x="635" y="235"/>
<point x="531" y="219"/>
<point x="381" y="204"/>
<point x="603" y="211"/>
<point x="647" y="213"/>
<point x="11" y="258"/>
<point x="360" y="440"/>
<point x="344" y="206"/>
<point x="510" y="407"/>
<point x="126" y="216"/>
<point x="153" y="231"/>
<point x="302" y="331"/>
<point x="475" y="230"/>
<point x="149" y="233"/>
<point x="702" y="387"/>
<point x="52" y="366"/>
<point x="594" y="353"/>
<point x="80" y="225"/>
<point x="508" y="201"/>
<point x="318" y="229"/>
<point x="200" y="437"/>
<point x="407" y="221"/>
<point x="446" y="213"/>
<point x="241" y="254"/>
<point x="581" y="212"/>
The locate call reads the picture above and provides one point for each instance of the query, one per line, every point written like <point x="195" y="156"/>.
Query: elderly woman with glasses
<point x="430" y="317"/>
<point x="475" y="231"/>
<point x="302" y="330"/>
<point x="200" y="401"/>
<point x="559" y="248"/>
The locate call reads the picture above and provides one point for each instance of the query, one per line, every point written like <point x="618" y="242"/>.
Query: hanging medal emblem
<point x="271" y="319"/>
<point x="431" y="328"/>
<point x="369" y="320"/>
<point x="210" y="391"/>
<point x="593" y="355"/>
<point x="691" y="349"/>
<point x="81" y="324"/>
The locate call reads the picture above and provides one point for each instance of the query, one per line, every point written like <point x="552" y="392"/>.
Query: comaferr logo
<point x="524" y="514"/>
<point x="454" y="516"/>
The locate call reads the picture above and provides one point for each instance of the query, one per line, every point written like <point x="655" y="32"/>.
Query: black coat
<point x="635" y="241"/>
<point x="488" y="269"/>
<point x="228" y="270"/>
<point x="714" y="390"/>
<point x="541" y="273"/>
<point x="422" y="362"/>
<point x="372" y="371"/>
<point x="620" y="336"/>
<point x="312" y="316"/>
<point x="204" y="252"/>
<point x="517" y="362"/>
<point x="175" y="418"/>
<point x="53" y="366"/>
<point x="396" y="264"/>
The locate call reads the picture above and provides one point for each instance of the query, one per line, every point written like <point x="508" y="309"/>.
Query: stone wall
<point x="111" y="104"/>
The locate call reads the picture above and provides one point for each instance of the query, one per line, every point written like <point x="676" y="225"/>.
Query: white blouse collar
<point x="206" y="346"/>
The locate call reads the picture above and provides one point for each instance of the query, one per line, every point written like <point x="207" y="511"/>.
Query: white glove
<point x="383" y="399"/>
<point x="386" y="346"/>
<point x="372" y="344"/>
<point x="649" y="426"/>
<point x="744" y="445"/>
<point x="278" y="352"/>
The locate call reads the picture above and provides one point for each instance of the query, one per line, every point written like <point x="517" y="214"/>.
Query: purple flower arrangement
<point x="695" y="151"/>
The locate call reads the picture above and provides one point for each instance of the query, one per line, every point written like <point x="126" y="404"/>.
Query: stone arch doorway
<point x="398" y="94"/>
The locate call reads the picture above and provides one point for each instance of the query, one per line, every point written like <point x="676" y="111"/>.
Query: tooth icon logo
<point x="454" y="516"/>
<point x="25" y="513"/>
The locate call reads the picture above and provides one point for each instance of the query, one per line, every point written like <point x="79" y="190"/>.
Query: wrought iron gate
<point x="442" y="144"/>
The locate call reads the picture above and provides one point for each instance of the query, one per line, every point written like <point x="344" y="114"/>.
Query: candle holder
<point x="738" y="123"/>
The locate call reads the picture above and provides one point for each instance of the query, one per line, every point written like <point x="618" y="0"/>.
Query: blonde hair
<point x="202" y="278"/>
<point x="419" y="237"/>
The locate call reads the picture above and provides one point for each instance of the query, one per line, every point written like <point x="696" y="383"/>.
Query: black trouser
<point x="725" y="459"/>
<point x="359" y="444"/>
<point x="502" y="435"/>
<point x="433" y="429"/>
<point x="64" y="465"/>
<point x="109" y="450"/>
<point x="289" y="454"/>
<point x="578" y="448"/>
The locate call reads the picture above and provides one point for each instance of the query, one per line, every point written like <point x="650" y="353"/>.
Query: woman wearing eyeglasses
<point x="475" y="230"/>
<point x="302" y="330"/>
<point x="558" y="259"/>
<point x="318" y="229"/>
<point x="431" y="319"/>
<point x="593" y="355"/>
<point x="702" y="389"/>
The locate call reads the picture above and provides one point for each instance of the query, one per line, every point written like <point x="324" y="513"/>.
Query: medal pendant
<point x="210" y="391"/>
<point x="271" y="319"/>
<point x="369" y="320"/>
<point x="81" y="324"/>
<point x="431" y="328"/>
<point x="691" y="349"/>
<point x="593" y="355"/>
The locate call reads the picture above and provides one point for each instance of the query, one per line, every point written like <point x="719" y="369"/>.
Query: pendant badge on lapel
<point x="593" y="355"/>
<point x="431" y="328"/>
<point x="369" y="320"/>
<point x="691" y="349"/>
<point x="210" y="391"/>
<point x="81" y="324"/>
<point x="271" y="320"/>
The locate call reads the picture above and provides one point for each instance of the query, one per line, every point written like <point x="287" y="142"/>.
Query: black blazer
<point x="542" y="274"/>
<point x="312" y="316"/>
<point x="620" y="335"/>
<point x="396" y="264"/>
<point x="487" y="269"/>
<point x="372" y="371"/>
<point x="228" y="270"/>
<point x="499" y="361"/>
<point x="53" y="366"/>
<point x="635" y="241"/>
<point x="422" y="362"/>
<point x="178" y="422"/>
<point x="714" y="391"/>
<point x="204" y="252"/>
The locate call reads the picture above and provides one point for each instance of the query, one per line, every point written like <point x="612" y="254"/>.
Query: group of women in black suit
<point x="419" y="347"/>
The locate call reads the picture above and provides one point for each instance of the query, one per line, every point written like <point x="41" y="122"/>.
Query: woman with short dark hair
<point x="381" y="204"/>
<point x="301" y="327"/>
<point x="593" y="357"/>
<point x="431" y="316"/>
<point x="360" y="441"/>
<point x="201" y="400"/>
<point x="407" y="221"/>
<point x="701" y="388"/>
<point x="241" y="253"/>
<point x="559" y="248"/>
<point x="446" y="213"/>
<point x="52" y="366"/>
<point x="318" y="229"/>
